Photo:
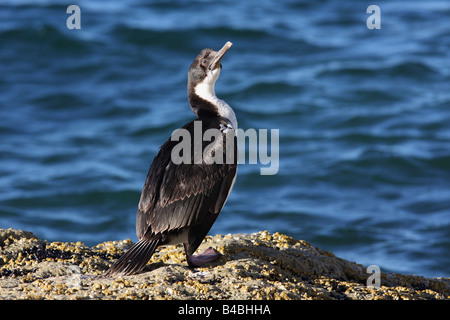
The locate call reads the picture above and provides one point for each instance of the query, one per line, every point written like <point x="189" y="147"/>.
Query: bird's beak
<point x="215" y="63"/>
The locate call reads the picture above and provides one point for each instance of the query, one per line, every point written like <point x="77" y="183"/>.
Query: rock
<point x="254" y="266"/>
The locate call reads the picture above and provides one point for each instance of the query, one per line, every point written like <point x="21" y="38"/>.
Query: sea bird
<point x="180" y="201"/>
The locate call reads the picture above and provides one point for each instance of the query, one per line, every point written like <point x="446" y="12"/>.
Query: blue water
<point x="363" y="118"/>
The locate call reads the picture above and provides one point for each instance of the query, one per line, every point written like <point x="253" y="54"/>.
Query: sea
<point x="359" y="97"/>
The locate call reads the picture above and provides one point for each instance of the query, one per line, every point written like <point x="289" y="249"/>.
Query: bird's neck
<point x="204" y="102"/>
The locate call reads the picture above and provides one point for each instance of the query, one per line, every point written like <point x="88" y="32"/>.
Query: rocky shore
<point x="254" y="266"/>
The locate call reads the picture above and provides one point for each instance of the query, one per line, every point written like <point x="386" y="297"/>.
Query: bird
<point x="181" y="200"/>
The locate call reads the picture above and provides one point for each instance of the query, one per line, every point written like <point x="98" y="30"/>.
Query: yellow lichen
<point x="257" y="266"/>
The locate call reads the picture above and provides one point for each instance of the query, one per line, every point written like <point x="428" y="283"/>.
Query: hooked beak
<point x="215" y="63"/>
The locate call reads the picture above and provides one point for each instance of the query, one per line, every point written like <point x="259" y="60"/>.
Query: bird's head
<point x="205" y="70"/>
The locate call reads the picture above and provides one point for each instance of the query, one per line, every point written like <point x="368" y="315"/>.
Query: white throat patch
<point x="205" y="90"/>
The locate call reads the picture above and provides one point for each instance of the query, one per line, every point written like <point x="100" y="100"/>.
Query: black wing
<point x="176" y="196"/>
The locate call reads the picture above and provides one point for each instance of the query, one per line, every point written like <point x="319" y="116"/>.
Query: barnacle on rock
<point x="261" y="265"/>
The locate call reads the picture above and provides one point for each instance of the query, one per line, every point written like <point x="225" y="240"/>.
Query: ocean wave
<point x="408" y="69"/>
<point x="363" y="119"/>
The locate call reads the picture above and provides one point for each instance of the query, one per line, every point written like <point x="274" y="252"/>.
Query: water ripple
<point x="363" y="118"/>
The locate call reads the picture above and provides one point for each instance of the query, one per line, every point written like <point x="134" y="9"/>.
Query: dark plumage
<point x="180" y="202"/>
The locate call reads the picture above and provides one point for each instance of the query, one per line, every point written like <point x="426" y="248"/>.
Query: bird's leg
<point x="209" y="255"/>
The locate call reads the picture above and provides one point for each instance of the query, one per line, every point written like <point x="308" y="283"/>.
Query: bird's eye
<point x="204" y="61"/>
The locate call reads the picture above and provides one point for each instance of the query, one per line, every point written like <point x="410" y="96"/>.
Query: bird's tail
<point x="135" y="259"/>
